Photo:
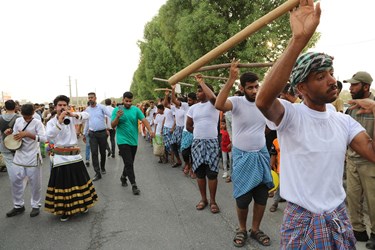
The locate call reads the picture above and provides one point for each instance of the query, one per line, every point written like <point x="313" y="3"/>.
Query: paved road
<point x="162" y="217"/>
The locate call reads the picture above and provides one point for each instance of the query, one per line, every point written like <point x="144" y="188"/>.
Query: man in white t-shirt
<point x="251" y="175"/>
<point x="158" y="127"/>
<point x="150" y="116"/>
<point x="168" y="125"/>
<point x="110" y="130"/>
<point x="313" y="141"/>
<point x="180" y="110"/>
<point x="202" y="121"/>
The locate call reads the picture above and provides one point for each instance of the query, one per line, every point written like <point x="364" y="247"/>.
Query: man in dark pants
<point x="112" y="132"/>
<point x="96" y="130"/>
<point x="125" y="118"/>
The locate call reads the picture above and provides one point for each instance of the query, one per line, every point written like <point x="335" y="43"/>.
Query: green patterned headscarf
<point x="309" y="62"/>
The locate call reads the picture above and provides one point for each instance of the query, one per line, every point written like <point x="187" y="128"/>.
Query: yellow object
<point x="275" y="178"/>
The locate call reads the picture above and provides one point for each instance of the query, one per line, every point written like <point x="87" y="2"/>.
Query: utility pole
<point x="77" y="94"/>
<point x="70" y="89"/>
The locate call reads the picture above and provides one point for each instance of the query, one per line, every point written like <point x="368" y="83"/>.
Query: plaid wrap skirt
<point x="205" y="151"/>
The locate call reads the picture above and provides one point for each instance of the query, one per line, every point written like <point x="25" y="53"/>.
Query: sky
<point x="94" y="42"/>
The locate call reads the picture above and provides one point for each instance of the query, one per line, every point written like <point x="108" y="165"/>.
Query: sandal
<point x="240" y="238"/>
<point x="192" y="174"/>
<point x="261" y="237"/>
<point x="273" y="208"/>
<point x="186" y="171"/>
<point x="201" y="205"/>
<point x="228" y="179"/>
<point x="214" y="208"/>
<point x="176" y="165"/>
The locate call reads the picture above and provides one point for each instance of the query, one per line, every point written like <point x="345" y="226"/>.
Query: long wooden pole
<point x="240" y="65"/>
<point x="234" y="40"/>
<point x="165" y="80"/>
<point x="213" y="77"/>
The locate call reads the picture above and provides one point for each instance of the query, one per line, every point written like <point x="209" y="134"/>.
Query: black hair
<point x="192" y="96"/>
<point x="238" y="93"/>
<point x="10" y="105"/>
<point x="127" y="94"/>
<point x="208" y="85"/>
<point x="160" y="106"/>
<point x="339" y="85"/>
<point x="248" y="77"/>
<point x="59" y="98"/>
<point x="92" y="93"/>
<point x="107" y="101"/>
<point x="27" y="109"/>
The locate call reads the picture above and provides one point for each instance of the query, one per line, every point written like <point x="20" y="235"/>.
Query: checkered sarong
<point x="249" y="170"/>
<point x="187" y="140"/>
<point x="302" y="229"/>
<point x="167" y="137"/>
<point x="205" y="151"/>
<point x="177" y="135"/>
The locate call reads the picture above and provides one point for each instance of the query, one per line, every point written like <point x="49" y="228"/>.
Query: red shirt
<point x="225" y="141"/>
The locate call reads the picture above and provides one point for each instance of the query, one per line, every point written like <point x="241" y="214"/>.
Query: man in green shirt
<point x="125" y="117"/>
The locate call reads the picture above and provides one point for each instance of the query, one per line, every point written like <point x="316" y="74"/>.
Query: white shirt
<point x="180" y="113"/>
<point x="29" y="153"/>
<point x="150" y="111"/>
<point x="108" y="118"/>
<point x="205" y="118"/>
<point x="313" y="146"/>
<point x="64" y="136"/>
<point x="248" y="125"/>
<point x="159" y="123"/>
<point x="169" y="118"/>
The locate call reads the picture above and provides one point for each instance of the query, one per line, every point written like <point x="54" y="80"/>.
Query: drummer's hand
<point x="84" y="138"/>
<point x="8" y="131"/>
<point x="20" y="135"/>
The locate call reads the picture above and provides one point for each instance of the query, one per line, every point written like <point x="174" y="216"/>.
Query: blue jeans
<point x="87" y="148"/>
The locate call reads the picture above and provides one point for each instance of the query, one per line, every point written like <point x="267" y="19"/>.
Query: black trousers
<point x="127" y="153"/>
<point x="112" y="134"/>
<point x="98" y="142"/>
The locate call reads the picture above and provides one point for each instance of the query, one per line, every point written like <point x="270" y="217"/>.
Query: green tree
<point x="183" y="31"/>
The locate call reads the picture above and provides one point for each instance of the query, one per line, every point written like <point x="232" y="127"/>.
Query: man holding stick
<point x="251" y="174"/>
<point x="202" y="119"/>
<point x="315" y="216"/>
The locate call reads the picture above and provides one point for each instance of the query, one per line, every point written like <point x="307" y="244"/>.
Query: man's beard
<point x="249" y="98"/>
<point x="359" y="95"/>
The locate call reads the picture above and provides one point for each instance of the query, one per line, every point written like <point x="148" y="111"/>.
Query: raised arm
<point x="173" y="96"/>
<point x="207" y="91"/>
<point x="304" y="21"/>
<point x="222" y="103"/>
<point x="166" y="102"/>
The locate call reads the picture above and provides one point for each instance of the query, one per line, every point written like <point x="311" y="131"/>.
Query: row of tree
<point x="184" y="30"/>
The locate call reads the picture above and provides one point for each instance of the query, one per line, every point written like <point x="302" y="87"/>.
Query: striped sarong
<point x="177" y="135"/>
<point x="187" y="140"/>
<point x="205" y="151"/>
<point x="249" y="170"/>
<point x="302" y="229"/>
<point x="167" y="138"/>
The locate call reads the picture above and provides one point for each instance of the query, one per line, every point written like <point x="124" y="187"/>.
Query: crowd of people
<point x="293" y="124"/>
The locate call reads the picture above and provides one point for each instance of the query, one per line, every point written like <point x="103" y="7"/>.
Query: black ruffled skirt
<point x="70" y="190"/>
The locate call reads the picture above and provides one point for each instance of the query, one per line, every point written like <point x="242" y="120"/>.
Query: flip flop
<point x="201" y="205"/>
<point x="214" y="208"/>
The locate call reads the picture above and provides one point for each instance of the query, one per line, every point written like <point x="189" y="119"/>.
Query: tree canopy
<point x="185" y="30"/>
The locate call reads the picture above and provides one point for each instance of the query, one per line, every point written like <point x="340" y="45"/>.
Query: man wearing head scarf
<point x="360" y="172"/>
<point x="315" y="216"/>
